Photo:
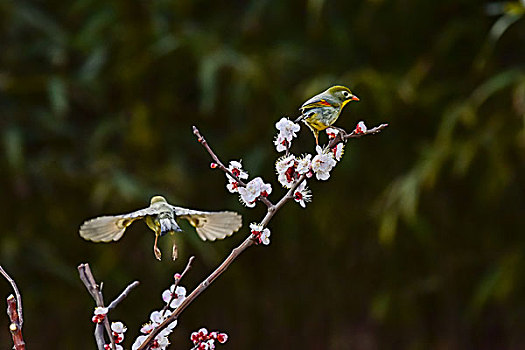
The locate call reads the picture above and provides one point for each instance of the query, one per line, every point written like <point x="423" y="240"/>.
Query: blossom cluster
<point x="173" y="297"/>
<point x="253" y="190"/>
<point x="117" y="330"/>
<point x="202" y="340"/>
<point x="287" y="131"/>
<point x="260" y="233"/>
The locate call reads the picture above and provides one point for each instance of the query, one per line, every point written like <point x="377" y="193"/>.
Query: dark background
<point x="415" y="242"/>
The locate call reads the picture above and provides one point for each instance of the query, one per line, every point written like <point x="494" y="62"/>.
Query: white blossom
<point x="147" y="328"/>
<point x="260" y="233"/>
<point x="253" y="190"/>
<point x="302" y="194"/>
<point x="323" y="163"/>
<point x="338" y="151"/>
<point x="100" y="311"/>
<point x="236" y="169"/>
<point x="304" y="164"/>
<point x="331" y="132"/>
<point x="281" y="144"/>
<point x="138" y="342"/>
<point x="287" y="131"/>
<point x="285" y="167"/>
<point x="360" y="128"/>
<point x="118" y="327"/>
<point x="265" y="237"/>
<point x="287" y="128"/>
<point x="176" y="297"/>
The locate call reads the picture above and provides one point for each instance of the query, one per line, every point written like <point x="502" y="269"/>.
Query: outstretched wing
<point x="211" y="225"/>
<point x="111" y="228"/>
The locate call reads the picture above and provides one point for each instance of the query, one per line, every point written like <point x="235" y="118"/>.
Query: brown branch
<point x="17" y="293"/>
<point x="221" y="166"/>
<point x="123" y="295"/>
<point x="15" y="328"/>
<point x="249" y="241"/>
<point x="176" y="281"/>
<point x="14" y="311"/>
<point x="342" y="136"/>
<point x="86" y="276"/>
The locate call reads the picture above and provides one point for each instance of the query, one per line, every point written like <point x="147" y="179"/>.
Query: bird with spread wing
<point x="160" y="217"/>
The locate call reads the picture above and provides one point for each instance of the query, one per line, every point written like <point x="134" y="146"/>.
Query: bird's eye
<point x="346" y="94"/>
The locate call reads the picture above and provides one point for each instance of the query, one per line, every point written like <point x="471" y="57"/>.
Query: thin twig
<point x="176" y="281"/>
<point x="17" y="294"/>
<point x="86" y="276"/>
<point x="123" y="295"/>
<point x="14" y="311"/>
<point x="221" y="166"/>
<point x="343" y="136"/>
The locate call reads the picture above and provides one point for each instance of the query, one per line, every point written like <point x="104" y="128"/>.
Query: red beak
<point x="354" y="98"/>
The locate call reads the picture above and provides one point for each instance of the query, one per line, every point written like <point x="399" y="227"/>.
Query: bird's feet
<point x="174" y="252"/>
<point x="156" y="249"/>
<point x="343" y="133"/>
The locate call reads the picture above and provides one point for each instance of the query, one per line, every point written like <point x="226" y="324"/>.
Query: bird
<point x="322" y="110"/>
<point x="161" y="217"/>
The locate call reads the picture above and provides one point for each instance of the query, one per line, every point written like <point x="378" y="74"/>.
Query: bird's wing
<point x="111" y="228"/>
<point x="211" y="225"/>
<point x="316" y="102"/>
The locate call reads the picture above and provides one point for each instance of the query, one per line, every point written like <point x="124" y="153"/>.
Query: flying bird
<point x="161" y="217"/>
<point x="322" y="110"/>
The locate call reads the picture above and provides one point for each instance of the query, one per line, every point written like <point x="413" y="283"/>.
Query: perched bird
<point x="160" y="217"/>
<point x="322" y="110"/>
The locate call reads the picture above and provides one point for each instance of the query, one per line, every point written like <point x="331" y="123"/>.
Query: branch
<point x="176" y="283"/>
<point x="14" y="311"/>
<point x="221" y="166"/>
<point x="123" y="295"/>
<point x="17" y="293"/>
<point x="96" y="292"/>
<point x="249" y="241"/>
<point x="343" y="136"/>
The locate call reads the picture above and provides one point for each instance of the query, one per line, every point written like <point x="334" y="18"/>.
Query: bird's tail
<point x="168" y="224"/>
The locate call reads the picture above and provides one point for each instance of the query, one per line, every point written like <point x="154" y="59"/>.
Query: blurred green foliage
<point x="416" y="242"/>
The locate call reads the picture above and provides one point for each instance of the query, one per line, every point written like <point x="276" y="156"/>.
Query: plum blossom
<point x="202" y="340"/>
<point x="323" y="163"/>
<point x="331" y="132"/>
<point x="360" y="128"/>
<point x="253" y="190"/>
<point x="281" y="144"/>
<point x="285" y="167"/>
<point x="338" y="151"/>
<point x="117" y="347"/>
<point x="235" y="167"/>
<point x="99" y="314"/>
<point x="302" y="194"/>
<point x="304" y="165"/>
<point x="174" y="298"/>
<point x="118" y="329"/>
<point x="260" y="233"/>
<point x="287" y="131"/>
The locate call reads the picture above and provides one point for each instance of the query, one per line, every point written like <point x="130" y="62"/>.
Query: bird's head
<point x="342" y="94"/>
<point x="157" y="199"/>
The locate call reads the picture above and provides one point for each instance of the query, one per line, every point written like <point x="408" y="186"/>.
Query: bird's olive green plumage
<point x="322" y="110"/>
<point x="160" y="217"/>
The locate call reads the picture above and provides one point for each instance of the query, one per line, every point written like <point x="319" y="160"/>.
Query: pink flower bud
<point x="222" y="338"/>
